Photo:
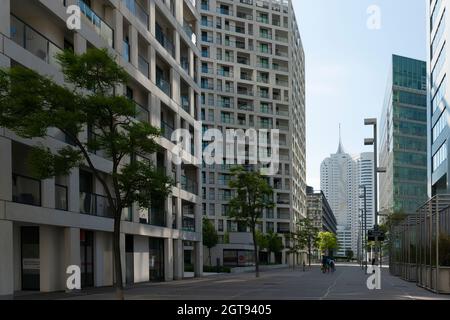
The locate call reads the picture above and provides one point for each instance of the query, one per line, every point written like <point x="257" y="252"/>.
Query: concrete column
<point x="192" y="101"/>
<point x="178" y="259"/>
<point x="7" y="260"/>
<point x="191" y="62"/>
<point x="179" y="10"/>
<point x="74" y="190"/>
<point x="79" y="43"/>
<point x="48" y="193"/>
<point x="176" y="42"/>
<point x="133" y="35"/>
<point x="152" y="61"/>
<point x="168" y="259"/>
<point x="118" y="30"/>
<point x="141" y="258"/>
<point x="198" y="256"/>
<point x="71" y="247"/>
<point x="155" y="110"/>
<point x="52" y="272"/>
<point x="5" y="17"/>
<point x="122" y="258"/>
<point x="175" y="83"/>
<point x="5" y="169"/>
<point x="152" y="16"/>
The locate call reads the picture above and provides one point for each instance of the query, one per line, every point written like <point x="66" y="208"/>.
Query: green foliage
<point x="210" y="237"/>
<point x="349" y="253"/>
<point x="327" y="241"/>
<point x="31" y="104"/>
<point x="262" y="240"/>
<point x="253" y="195"/>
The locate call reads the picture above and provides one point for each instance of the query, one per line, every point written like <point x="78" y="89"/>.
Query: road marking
<point x="331" y="287"/>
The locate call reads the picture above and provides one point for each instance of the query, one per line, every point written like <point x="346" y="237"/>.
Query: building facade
<point x="438" y="117"/>
<point x="341" y="177"/>
<point x="46" y="226"/>
<point x="403" y="138"/>
<point x="252" y="76"/>
<point x="319" y="210"/>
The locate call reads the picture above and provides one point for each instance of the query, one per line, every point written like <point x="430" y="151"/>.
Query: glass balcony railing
<point x="34" y="42"/>
<point x="185" y="103"/>
<point x="26" y="190"/>
<point x="190" y="32"/>
<point x="137" y="10"/>
<point x="96" y="205"/>
<point x="126" y="51"/>
<point x="61" y="197"/>
<point x="164" y="40"/>
<point x="101" y="27"/>
<point x="164" y="85"/>
<point x="225" y="11"/>
<point x="167" y="130"/>
<point x="144" y="67"/>
<point x="189" y="185"/>
<point x="188" y="224"/>
<point x="142" y="114"/>
<point x="185" y="64"/>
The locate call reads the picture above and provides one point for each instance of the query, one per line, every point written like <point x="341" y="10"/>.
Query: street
<point x="347" y="283"/>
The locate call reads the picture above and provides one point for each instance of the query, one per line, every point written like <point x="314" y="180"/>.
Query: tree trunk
<point x="255" y="246"/>
<point x="309" y="256"/>
<point x="117" y="259"/>
<point x="210" y="262"/>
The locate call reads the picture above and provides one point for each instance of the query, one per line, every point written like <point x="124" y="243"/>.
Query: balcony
<point x="34" y="42"/>
<point x="142" y="114"/>
<point x="164" y="85"/>
<point x="207" y="70"/>
<point x="190" y="32"/>
<point x="189" y="185"/>
<point x="138" y="11"/>
<point x="164" y="40"/>
<point x="96" y="205"/>
<point x="167" y="130"/>
<point x="243" y="15"/>
<point x="188" y="224"/>
<point x="126" y="51"/>
<point x="144" y="67"/>
<point x="225" y="73"/>
<point x="224" y="11"/>
<point x="61" y="196"/>
<point x="100" y="26"/>
<point x="207" y="23"/>
<point x="26" y="190"/>
<point x="185" y="64"/>
<point x="186" y="104"/>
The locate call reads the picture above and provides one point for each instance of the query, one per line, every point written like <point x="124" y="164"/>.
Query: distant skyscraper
<point x="341" y="175"/>
<point x="403" y="134"/>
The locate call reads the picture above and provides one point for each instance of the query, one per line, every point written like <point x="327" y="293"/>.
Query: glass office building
<point x="403" y="132"/>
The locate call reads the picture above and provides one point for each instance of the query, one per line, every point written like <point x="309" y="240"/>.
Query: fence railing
<point x="26" y="190"/>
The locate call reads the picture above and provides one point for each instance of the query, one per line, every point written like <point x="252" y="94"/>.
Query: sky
<point x="347" y="65"/>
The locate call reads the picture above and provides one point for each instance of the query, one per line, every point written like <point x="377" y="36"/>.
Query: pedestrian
<point x="324" y="264"/>
<point x="332" y="265"/>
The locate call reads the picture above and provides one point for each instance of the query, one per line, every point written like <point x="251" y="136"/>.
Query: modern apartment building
<point x="319" y="210"/>
<point x="403" y="134"/>
<point x="45" y="226"/>
<point x="252" y="76"/>
<point x="341" y="177"/>
<point x="438" y="117"/>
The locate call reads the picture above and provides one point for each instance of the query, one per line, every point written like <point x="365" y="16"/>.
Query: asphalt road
<point x="347" y="283"/>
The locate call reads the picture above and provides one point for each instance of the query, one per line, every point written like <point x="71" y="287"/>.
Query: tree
<point x="274" y="243"/>
<point x="253" y="195"/>
<point x="349" y="253"/>
<point x="305" y="237"/>
<point x="210" y="237"/>
<point x="31" y="104"/>
<point x="327" y="242"/>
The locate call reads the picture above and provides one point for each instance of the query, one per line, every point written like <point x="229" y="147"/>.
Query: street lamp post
<point x="364" y="220"/>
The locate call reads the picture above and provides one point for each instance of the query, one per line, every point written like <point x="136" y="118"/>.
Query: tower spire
<point x="340" y="148"/>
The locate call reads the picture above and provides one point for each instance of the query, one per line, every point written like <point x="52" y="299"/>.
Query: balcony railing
<point x="26" y="190"/>
<point x="137" y="10"/>
<point x="101" y="27"/>
<point x="61" y="196"/>
<point x="164" y="85"/>
<point x="186" y="104"/>
<point x="190" y="32"/>
<point x="164" y="40"/>
<point x="30" y="39"/>
<point x="144" y="67"/>
<point x="188" y="224"/>
<point x="167" y="130"/>
<point x="142" y="114"/>
<point x="189" y="185"/>
<point x="95" y="204"/>
<point x="126" y="51"/>
<point x="224" y="11"/>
